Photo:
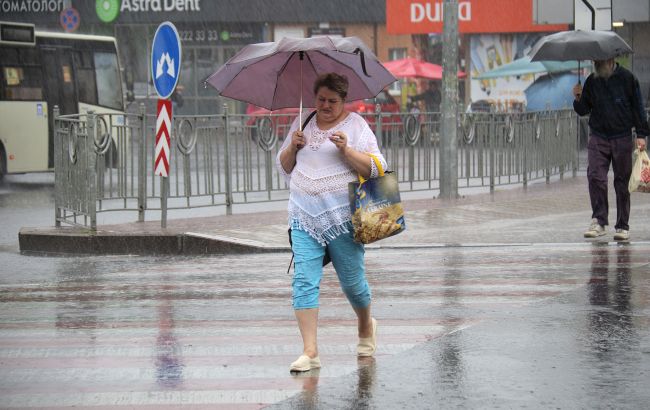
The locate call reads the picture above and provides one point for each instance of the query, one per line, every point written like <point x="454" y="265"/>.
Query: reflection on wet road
<point x="474" y="327"/>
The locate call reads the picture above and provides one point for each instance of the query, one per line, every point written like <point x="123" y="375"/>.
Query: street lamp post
<point x="448" y="138"/>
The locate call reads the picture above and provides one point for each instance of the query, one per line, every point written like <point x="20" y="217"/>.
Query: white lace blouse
<point x="318" y="184"/>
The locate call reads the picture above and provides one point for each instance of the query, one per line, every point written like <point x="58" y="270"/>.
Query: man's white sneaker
<point x="595" y="229"/>
<point x="621" y="235"/>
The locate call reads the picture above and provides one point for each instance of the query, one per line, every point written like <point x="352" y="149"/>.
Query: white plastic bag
<point x="640" y="178"/>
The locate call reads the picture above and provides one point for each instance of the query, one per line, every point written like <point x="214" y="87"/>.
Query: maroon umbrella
<point x="281" y="74"/>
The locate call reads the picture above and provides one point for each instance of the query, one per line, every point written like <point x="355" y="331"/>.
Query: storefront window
<point x="188" y="76"/>
<point x="397" y="54"/>
<point x="207" y="62"/>
<point x="134" y="51"/>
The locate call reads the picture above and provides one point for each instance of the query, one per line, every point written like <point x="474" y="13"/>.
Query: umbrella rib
<point x="345" y="65"/>
<point x="245" y="66"/>
<point x="311" y="63"/>
<point x="277" y="82"/>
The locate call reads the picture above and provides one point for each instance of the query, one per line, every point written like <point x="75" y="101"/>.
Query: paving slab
<point x="541" y="213"/>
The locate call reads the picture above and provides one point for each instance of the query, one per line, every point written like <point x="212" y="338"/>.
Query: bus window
<point x="9" y="55"/>
<point x="30" y="56"/>
<point x="87" y="88"/>
<point x="109" y="87"/>
<point x="21" y="75"/>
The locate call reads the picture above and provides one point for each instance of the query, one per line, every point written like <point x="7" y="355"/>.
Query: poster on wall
<point x="490" y="51"/>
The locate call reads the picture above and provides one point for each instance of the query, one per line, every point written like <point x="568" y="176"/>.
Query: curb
<point x="75" y="241"/>
<point x="84" y="242"/>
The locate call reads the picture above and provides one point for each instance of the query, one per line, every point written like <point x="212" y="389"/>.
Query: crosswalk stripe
<point x="147" y="335"/>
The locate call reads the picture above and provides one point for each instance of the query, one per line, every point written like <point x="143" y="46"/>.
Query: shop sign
<point x="109" y="10"/>
<point x="328" y="31"/>
<point x="106" y="11"/>
<point x="474" y="16"/>
<point x="32" y="6"/>
<point x="211" y="34"/>
<point x="160" y="5"/>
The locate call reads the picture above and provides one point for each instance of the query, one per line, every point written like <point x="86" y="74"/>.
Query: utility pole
<point x="449" y="130"/>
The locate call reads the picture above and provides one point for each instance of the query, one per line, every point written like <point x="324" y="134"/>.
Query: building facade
<point x="491" y="33"/>
<point x="496" y="32"/>
<point x="210" y="32"/>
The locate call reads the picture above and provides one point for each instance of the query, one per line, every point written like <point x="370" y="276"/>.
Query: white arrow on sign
<point x="165" y="59"/>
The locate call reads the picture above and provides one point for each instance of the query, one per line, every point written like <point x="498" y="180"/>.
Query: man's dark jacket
<point x="614" y="104"/>
<point x="431" y="99"/>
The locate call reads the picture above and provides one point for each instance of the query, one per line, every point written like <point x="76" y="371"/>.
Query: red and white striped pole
<point x="163" y="128"/>
<point x="162" y="153"/>
<point x="165" y="65"/>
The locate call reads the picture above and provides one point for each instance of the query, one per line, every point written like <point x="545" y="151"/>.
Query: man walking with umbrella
<point x="612" y="97"/>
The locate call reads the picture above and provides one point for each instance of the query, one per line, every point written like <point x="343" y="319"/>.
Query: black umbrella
<point x="579" y="45"/>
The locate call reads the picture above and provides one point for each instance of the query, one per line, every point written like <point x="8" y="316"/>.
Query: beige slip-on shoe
<point x="368" y="345"/>
<point x="622" y="235"/>
<point x="305" y="363"/>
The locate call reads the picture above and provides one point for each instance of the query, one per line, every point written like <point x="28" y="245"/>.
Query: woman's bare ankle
<point x="365" y="332"/>
<point x="312" y="353"/>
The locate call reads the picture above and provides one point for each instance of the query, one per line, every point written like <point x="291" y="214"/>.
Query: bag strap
<point x="377" y="163"/>
<point x="309" y="117"/>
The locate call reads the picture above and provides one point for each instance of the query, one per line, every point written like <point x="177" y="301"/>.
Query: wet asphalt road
<point x="24" y="199"/>
<point x="511" y="326"/>
<point x="569" y="331"/>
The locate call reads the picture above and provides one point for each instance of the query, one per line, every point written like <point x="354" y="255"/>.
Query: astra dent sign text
<point x="160" y="5"/>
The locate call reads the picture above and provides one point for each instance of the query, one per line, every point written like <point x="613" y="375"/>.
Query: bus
<point x="40" y="70"/>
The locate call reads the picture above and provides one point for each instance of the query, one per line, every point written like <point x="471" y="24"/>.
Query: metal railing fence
<point x="104" y="162"/>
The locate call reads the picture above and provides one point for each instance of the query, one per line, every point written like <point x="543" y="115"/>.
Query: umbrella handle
<point x="301" y="54"/>
<point x="579" y="72"/>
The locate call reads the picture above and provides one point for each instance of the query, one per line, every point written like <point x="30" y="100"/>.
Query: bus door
<point x="59" y="88"/>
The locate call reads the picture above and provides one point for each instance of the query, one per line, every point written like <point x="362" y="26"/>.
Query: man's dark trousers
<point x="602" y="152"/>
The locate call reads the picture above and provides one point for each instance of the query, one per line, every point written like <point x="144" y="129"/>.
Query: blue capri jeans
<point x="347" y="258"/>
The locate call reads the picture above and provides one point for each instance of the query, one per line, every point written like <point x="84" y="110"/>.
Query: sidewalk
<point x="555" y="213"/>
<point x="491" y="301"/>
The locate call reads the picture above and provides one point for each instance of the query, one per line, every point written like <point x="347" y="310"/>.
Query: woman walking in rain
<point x="318" y="163"/>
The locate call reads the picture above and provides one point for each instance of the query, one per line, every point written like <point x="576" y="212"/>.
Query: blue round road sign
<point x="165" y="59"/>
